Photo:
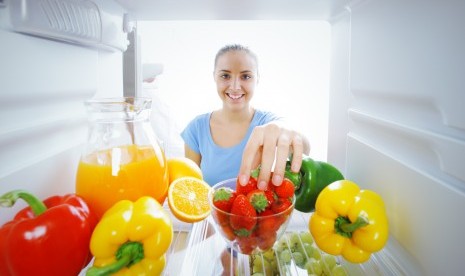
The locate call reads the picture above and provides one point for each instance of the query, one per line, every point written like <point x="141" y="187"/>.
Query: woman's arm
<point x="189" y="153"/>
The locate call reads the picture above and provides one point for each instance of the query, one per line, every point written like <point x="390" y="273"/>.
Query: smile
<point x="235" y="96"/>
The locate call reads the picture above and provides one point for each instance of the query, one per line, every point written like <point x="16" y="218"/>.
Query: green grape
<point x="313" y="267"/>
<point x="258" y="274"/>
<point x="294" y="241"/>
<point x="274" y="265"/>
<point x="316" y="254"/>
<point x="329" y="260"/>
<point x="306" y="237"/>
<point x="268" y="268"/>
<point x="281" y="245"/>
<point x="257" y="264"/>
<point x="269" y="254"/>
<point x="285" y="256"/>
<point x="308" y="249"/>
<point x="338" y="270"/>
<point x="299" y="259"/>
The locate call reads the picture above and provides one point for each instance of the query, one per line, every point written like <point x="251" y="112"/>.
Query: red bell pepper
<point x="46" y="238"/>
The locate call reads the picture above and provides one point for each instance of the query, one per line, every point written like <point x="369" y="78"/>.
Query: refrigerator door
<point x="397" y="118"/>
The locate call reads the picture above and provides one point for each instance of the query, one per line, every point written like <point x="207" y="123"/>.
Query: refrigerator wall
<point x="397" y="119"/>
<point x="43" y="84"/>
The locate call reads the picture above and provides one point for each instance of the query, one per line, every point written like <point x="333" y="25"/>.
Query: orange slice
<point x="182" y="166"/>
<point x="188" y="199"/>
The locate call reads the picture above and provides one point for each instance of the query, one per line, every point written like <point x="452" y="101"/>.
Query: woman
<point x="233" y="140"/>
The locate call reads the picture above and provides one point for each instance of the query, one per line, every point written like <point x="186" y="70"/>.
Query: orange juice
<point x="126" y="172"/>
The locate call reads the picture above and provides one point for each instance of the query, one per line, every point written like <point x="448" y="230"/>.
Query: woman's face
<point x="236" y="77"/>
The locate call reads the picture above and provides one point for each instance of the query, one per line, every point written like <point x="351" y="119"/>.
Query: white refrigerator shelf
<point x="198" y="250"/>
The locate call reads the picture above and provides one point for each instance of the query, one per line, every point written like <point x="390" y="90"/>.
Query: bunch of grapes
<point x="295" y="248"/>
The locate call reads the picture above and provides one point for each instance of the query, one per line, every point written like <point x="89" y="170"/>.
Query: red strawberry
<point x="228" y="232"/>
<point x="267" y="223"/>
<point x="223" y="198"/>
<point x="281" y="205"/>
<point x="267" y="240"/>
<point x="271" y="196"/>
<point x="243" y="218"/>
<point x="286" y="189"/>
<point x="250" y="186"/>
<point x="247" y="244"/>
<point x="258" y="199"/>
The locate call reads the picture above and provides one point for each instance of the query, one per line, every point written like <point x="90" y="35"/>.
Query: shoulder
<point x="200" y="120"/>
<point x="196" y="130"/>
<point x="263" y="117"/>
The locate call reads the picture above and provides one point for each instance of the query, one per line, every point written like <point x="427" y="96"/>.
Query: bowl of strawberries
<point x="249" y="219"/>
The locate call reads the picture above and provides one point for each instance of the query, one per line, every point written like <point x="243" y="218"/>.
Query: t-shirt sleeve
<point x="190" y="135"/>
<point x="266" y="117"/>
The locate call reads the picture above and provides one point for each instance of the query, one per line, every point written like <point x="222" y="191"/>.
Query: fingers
<point x="268" y="156"/>
<point x="298" y="151"/>
<point x="251" y="156"/>
<point x="270" y="145"/>
<point x="282" y="152"/>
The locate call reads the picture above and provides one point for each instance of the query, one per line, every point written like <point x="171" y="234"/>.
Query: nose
<point x="235" y="83"/>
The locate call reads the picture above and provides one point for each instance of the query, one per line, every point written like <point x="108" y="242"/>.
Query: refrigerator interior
<point x="396" y="121"/>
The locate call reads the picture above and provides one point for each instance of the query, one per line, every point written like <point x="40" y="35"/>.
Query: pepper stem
<point x="128" y="254"/>
<point x="345" y="227"/>
<point x="9" y="199"/>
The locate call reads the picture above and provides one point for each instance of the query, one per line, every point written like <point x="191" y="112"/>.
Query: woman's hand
<point x="268" y="144"/>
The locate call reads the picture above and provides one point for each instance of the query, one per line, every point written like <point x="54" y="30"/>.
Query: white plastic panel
<point x="425" y="214"/>
<point x="412" y="52"/>
<point x="42" y="116"/>
<point x="406" y="135"/>
<point x="78" y="21"/>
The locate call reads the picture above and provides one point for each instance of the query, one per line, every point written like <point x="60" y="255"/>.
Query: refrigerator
<point x="396" y="116"/>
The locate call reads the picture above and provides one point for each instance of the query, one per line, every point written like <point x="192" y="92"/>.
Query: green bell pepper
<point x="314" y="176"/>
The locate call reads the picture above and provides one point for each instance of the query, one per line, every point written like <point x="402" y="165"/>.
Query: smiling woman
<point x="293" y="78"/>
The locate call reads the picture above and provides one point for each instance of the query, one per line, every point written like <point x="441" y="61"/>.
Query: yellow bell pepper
<point x="131" y="239"/>
<point x="349" y="221"/>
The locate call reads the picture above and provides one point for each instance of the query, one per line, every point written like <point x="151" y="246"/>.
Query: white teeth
<point x="235" y="97"/>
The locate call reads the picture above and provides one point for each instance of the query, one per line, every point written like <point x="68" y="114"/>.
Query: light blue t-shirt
<point x="219" y="163"/>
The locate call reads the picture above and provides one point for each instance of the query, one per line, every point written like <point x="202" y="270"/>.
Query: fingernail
<point x="262" y="185"/>
<point x="243" y="179"/>
<point x="277" y="180"/>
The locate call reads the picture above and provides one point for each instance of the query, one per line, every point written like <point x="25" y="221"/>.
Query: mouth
<point x="235" y="96"/>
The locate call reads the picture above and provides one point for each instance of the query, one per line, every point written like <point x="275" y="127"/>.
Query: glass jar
<point x="122" y="158"/>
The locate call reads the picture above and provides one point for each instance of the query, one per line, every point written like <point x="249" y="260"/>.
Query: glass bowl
<point x="268" y="226"/>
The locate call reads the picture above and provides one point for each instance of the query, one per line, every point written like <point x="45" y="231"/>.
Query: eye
<point x="225" y="76"/>
<point x="246" y="76"/>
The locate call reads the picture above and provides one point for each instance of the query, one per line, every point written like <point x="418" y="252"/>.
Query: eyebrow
<point x="242" y="72"/>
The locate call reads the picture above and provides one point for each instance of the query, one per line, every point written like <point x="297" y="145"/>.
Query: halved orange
<point x="182" y="166"/>
<point x="188" y="199"/>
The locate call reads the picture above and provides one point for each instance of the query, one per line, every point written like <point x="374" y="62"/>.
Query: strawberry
<point x="228" y="232"/>
<point x="281" y="205"/>
<point x="267" y="240"/>
<point x="247" y="244"/>
<point x="223" y="199"/>
<point x="270" y="196"/>
<point x="286" y="189"/>
<point x="267" y="223"/>
<point x="243" y="218"/>
<point x="250" y="186"/>
<point x="258" y="199"/>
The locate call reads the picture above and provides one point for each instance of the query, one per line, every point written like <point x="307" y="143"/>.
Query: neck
<point x="245" y="114"/>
